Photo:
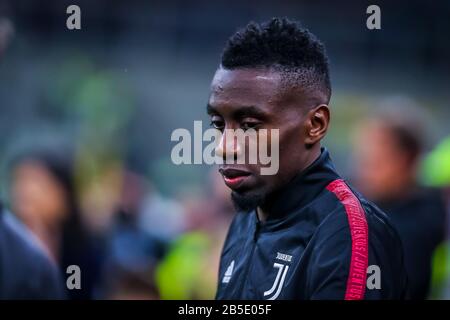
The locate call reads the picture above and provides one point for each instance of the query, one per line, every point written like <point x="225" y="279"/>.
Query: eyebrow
<point x="211" y="110"/>
<point x="245" y="111"/>
<point x="249" y="111"/>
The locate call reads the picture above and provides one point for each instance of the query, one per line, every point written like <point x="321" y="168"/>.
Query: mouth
<point x="234" y="178"/>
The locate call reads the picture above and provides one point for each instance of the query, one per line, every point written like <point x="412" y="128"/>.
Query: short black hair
<point x="282" y="44"/>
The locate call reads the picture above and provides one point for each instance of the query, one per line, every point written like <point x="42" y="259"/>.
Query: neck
<point x="266" y="210"/>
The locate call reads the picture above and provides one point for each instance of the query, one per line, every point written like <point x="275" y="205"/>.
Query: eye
<point x="249" y="125"/>
<point x="217" y="123"/>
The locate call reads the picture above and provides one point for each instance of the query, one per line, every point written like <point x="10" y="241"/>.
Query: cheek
<point x="377" y="171"/>
<point x="291" y="151"/>
<point x="283" y="146"/>
<point x="39" y="198"/>
<point x="27" y="196"/>
<point x="55" y="203"/>
<point x="289" y="160"/>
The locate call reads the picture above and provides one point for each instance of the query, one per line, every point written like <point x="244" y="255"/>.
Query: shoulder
<point x="25" y="270"/>
<point x="358" y="229"/>
<point x="352" y="216"/>
<point x="354" y="235"/>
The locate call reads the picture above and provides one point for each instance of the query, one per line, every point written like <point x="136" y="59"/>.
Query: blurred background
<point x="86" y="119"/>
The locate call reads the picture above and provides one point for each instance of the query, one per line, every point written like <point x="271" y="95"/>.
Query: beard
<point x="246" y="202"/>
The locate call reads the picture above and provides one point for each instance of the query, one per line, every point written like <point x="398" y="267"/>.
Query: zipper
<point x="249" y="265"/>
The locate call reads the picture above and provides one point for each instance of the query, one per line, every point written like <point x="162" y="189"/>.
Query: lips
<point x="234" y="177"/>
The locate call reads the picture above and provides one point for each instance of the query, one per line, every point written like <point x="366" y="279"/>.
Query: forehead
<point x="374" y="131"/>
<point x="244" y="87"/>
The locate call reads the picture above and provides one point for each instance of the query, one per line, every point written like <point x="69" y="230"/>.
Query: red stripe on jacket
<point x="356" y="282"/>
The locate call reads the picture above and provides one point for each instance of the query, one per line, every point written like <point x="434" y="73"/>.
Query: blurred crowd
<point x="147" y="247"/>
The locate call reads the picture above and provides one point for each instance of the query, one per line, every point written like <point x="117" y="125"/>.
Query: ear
<point x="316" y="125"/>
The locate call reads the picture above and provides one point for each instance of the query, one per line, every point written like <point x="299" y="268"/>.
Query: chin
<point x="248" y="200"/>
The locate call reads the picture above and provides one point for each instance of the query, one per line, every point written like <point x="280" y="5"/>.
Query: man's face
<point x="252" y="98"/>
<point x="382" y="168"/>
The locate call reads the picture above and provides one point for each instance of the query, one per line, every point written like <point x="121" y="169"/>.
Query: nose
<point x="229" y="147"/>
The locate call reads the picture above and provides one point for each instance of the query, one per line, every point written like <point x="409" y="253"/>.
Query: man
<point x="302" y="233"/>
<point x="386" y="172"/>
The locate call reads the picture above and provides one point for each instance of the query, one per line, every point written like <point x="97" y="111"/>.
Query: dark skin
<point x="257" y="98"/>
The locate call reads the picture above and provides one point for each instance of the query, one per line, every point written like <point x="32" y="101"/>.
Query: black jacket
<point x="25" y="272"/>
<point x="326" y="242"/>
<point x="420" y="219"/>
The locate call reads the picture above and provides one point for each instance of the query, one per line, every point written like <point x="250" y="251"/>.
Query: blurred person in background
<point x="387" y="151"/>
<point x="133" y="251"/>
<point x="25" y="270"/>
<point x="159" y="215"/>
<point x="189" y="270"/>
<point x="43" y="196"/>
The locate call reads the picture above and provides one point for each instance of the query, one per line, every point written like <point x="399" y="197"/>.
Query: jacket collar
<point x="302" y="189"/>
